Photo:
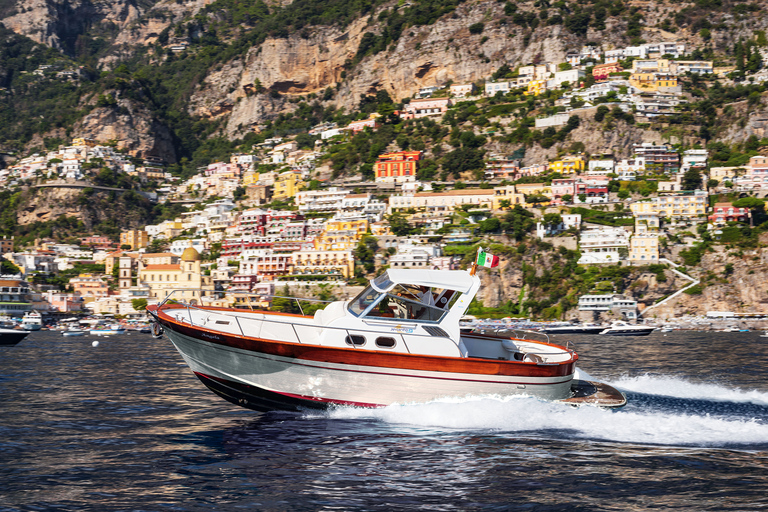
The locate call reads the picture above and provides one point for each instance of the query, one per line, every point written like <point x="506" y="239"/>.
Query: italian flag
<point x="487" y="260"/>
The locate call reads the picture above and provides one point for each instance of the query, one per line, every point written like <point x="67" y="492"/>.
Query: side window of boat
<point x="385" y="342"/>
<point x="355" y="340"/>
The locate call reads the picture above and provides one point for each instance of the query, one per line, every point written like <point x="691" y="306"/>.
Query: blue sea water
<point x="125" y="426"/>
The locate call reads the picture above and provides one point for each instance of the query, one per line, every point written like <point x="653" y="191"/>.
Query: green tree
<point x="691" y="179"/>
<point x="139" y="304"/>
<point x="399" y="224"/>
<point x="8" y="267"/>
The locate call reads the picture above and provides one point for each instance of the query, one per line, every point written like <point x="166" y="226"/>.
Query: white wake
<point x="681" y="388"/>
<point x="529" y="416"/>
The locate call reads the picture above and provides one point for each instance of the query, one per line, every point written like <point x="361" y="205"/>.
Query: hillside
<point x="166" y="76"/>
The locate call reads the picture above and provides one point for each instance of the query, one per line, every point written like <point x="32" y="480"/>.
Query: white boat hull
<point x="260" y="381"/>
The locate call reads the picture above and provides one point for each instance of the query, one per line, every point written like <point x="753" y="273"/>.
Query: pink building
<point x="426" y="107"/>
<point x="725" y="212"/>
<point x="562" y="187"/>
<point x="357" y="126"/>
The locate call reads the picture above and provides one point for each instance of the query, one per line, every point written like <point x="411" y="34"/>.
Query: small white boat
<point x="764" y="335"/>
<point x="109" y="330"/>
<point x="620" y="328"/>
<point x="32" y="321"/>
<point x="74" y="332"/>
<point x="399" y="341"/>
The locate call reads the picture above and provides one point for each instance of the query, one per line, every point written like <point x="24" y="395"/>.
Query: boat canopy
<point x="445" y="279"/>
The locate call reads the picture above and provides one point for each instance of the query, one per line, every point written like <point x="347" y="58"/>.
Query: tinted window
<point x="355" y="340"/>
<point x="385" y="342"/>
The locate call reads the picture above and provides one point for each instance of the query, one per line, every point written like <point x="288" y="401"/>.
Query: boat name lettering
<point x="402" y="329"/>
<point x="211" y="336"/>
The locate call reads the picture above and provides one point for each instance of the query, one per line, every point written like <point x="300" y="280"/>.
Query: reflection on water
<point x="125" y="426"/>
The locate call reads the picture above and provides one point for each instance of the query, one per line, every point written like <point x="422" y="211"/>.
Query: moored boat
<point x="10" y="337"/>
<point x="74" y="332"/>
<point x="573" y="328"/>
<point x="32" y="321"/>
<point x="620" y="328"/>
<point x="398" y="341"/>
<point x="107" y="330"/>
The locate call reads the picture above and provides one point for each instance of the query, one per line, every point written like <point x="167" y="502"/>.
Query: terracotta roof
<point x="158" y="255"/>
<point x="162" y="267"/>
<point x="462" y="192"/>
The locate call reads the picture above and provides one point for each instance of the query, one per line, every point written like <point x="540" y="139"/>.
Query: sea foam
<point x="528" y="416"/>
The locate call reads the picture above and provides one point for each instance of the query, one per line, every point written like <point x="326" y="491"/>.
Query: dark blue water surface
<point x="125" y="426"/>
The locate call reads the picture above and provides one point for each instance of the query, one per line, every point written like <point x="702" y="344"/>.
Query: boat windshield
<point x="364" y="299"/>
<point x="404" y="302"/>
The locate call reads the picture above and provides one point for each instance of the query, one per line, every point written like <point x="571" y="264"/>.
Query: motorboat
<point x="398" y="341"/>
<point x="573" y="328"/>
<point x="107" y="330"/>
<point x="32" y="321"/>
<point x="10" y="337"/>
<point x="6" y="322"/>
<point x="620" y="328"/>
<point x="74" y="332"/>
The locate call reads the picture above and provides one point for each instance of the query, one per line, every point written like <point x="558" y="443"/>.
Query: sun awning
<point x="458" y="280"/>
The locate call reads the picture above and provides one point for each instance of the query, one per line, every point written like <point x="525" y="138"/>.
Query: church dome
<point x="190" y="254"/>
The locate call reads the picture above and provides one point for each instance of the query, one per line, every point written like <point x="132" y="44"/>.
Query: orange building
<point x="397" y="167"/>
<point x="603" y="71"/>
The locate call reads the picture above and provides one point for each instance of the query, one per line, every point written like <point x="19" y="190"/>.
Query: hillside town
<point x="275" y="220"/>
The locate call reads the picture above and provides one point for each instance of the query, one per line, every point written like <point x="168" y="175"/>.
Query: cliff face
<point x="92" y="207"/>
<point x="423" y="56"/>
<point x="132" y="126"/>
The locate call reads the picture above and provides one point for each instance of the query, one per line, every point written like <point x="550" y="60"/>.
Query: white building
<point x="603" y="245"/>
<point x="609" y="302"/>
<point x="572" y="76"/>
<point x="569" y="221"/>
<point x="326" y="200"/>
<point x="411" y="255"/>
<point x="694" y="158"/>
<point x="177" y="247"/>
<point x="600" y="167"/>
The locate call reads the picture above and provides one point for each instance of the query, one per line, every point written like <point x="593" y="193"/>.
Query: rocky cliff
<point x="93" y="207"/>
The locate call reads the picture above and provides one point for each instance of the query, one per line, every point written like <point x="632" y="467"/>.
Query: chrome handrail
<point x="344" y="329"/>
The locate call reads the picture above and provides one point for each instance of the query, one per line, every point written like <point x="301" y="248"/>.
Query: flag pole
<point x="474" y="263"/>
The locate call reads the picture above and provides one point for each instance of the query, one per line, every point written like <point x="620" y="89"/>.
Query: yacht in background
<point x="32" y="321"/>
<point x="620" y="328"/>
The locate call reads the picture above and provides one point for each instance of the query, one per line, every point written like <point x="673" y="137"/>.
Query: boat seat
<point x="521" y="354"/>
<point x="331" y="312"/>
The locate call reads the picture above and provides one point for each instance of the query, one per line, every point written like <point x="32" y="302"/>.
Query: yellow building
<point x="536" y="87"/>
<point x="340" y="235"/>
<point x="185" y="278"/>
<point x="568" y="165"/>
<point x="323" y="263"/>
<point x="673" y="205"/>
<point x="507" y="193"/>
<point x="82" y="141"/>
<point x="651" y="66"/>
<point x="136" y="238"/>
<point x="652" y="81"/>
<point x="644" y="248"/>
<point x="250" y="178"/>
<point x="287" y="185"/>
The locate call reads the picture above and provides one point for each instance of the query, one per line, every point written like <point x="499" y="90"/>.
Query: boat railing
<point x="348" y="333"/>
<point x="283" y="321"/>
<point x="299" y="300"/>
